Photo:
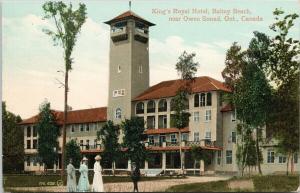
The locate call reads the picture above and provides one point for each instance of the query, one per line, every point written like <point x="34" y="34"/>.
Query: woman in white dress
<point x="97" y="181"/>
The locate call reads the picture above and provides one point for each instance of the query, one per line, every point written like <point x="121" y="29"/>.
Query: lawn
<point x="270" y="183"/>
<point x="54" y="180"/>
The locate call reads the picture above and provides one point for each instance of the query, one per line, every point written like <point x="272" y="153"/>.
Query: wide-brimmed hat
<point x="84" y="159"/>
<point x="98" y="157"/>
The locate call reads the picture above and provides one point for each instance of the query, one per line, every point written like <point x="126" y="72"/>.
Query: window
<point x="196" y="136"/>
<point x="34" y="131"/>
<point x="87" y="144"/>
<point x="184" y="137"/>
<point x="139" y="109"/>
<point x="162" y="121"/>
<point x="81" y="144"/>
<point x="151" y="139"/>
<point x="233" y="137"/>
<point x="28" y="131"/>
<point x="282" y="159"/>
<point x="118" y="114"/>
<point x="208" y="99"/>
<point x="295" y="158"/>
<point x="87" y="127"/>
<point x="150" y="122"/>
<point x="162" y="105"/>
<point x="151" y="107"/>
<point x="271" y="156"/>
<point x="202" y="100"/>
<point x="219" y="157"/>
<point x="34" y="144"/>
<point x="140" y="69"/>
<point x="28" y="161"/>
<point x="81" y="128"/>
<point x="118" y="93"/>
<point x="208" y="135"/>
<point x="196" y="100"/>
<point x="233" y="115"/>
<point x="72" y="128"/>
<point x="228" y="157"/>
<point x="173" y="138"/>
<point x="28" y="144"/>
<point x="119" y="69"/>
<point x="35" y="161"/>
<point x="207" y="115"/>
<point x="196" y="116"/>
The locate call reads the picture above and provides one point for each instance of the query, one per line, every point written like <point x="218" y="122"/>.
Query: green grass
<point x="51" y="180"/>
<point x="270" y="183"/>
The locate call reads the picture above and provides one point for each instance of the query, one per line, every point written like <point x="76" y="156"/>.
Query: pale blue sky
<point x="30" y="61"/>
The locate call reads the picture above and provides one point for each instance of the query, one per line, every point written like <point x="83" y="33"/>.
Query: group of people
<point x="83" y="183"/>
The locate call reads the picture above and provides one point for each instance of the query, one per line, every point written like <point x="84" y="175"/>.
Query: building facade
<point x="212" y="123"/>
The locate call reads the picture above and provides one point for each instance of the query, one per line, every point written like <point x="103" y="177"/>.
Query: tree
<point x="13" y="134"/>
<point x="68" y="24"/>
<point x="109" y="137"/>
<point x="186" y="68"/>
<point x="283" y="69"/>
<point x="48" y="133"/>
<point x="133" y="140"/>
<point x="73" y="152"/>
<point x="198" y="154"/>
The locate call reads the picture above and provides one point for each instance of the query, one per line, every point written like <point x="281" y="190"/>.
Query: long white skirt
<point x="98" y="183"/>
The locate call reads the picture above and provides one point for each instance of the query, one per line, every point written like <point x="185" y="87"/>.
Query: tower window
<point x="118" y="114"/>
<point x="119" y="69"/>
<point x="140" y="69"/>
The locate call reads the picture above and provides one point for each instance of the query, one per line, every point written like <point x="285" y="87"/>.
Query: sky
<point x="30" y="61"/>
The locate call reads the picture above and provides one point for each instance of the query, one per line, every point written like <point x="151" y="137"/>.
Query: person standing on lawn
<point x="97" y="180"/>
<point x="71" y="180"/>
<point x="83" y="183"/>
<point x="135" y="176"/>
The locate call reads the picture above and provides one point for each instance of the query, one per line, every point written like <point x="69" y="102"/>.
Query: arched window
<point x="202" y="100"/>
<point x="151" y="106"/>
<point x="162" y="105"/>
<point x="196" y="100"/>
<point x="118" y="113"/>
<point x="172" y="104"/>
<point x="208" y="99"/>
<point x="139" y="109"/>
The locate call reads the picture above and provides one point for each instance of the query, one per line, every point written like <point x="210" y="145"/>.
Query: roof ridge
<point x="210" y="80"/>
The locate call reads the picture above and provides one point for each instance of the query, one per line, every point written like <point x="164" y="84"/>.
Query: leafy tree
<point x="133" y="140"/>
<point x="13" y="134"/>
<point x="73" y="152"/>
<point x="68" y="23"/>
<point x="48" y="133"/>
<point x="199" y="153"/>
<point x="109" y="137"/>
<point x="186" y="68"/>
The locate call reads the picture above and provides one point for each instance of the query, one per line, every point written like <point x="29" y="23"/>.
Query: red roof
<point x="227" y="108"/>
<point x="77" y="116"/>
<point x="166" y="130"/>
<point x="169" y="88"/>
<point x="127" y="15"/>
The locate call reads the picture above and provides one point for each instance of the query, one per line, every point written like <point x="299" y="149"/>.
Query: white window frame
<point x="270" y="154"/>
<point x="173" y="138"/>
<point x="232" y="137"/>
<point x="196" y="137"/>
<point x="196" y="116"/>
<point x="208" y="134"/>
<point x="118" y="113"/>
<point x="228" y="156"/>
<point x="281" y="159"/>
<point x="207" y="115"/>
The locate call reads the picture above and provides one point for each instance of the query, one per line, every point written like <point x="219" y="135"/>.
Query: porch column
<point x="201" y="167"/>
<point x="146" y="165"/>
<point x="129" y="165"/>
<point x="54" y="167"/>
<point x="183" y="157"/>
<point x="164" y="161"/>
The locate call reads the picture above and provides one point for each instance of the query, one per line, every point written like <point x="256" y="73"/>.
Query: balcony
<point x="119" y="33"/>
<point x="141" y="35"/>
<point x="90" y="147"/>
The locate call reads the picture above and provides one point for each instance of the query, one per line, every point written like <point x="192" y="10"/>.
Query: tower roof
<point x="129" y="15"/>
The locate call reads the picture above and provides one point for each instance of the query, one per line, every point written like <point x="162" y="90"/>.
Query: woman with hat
<point x="83" y="183"/>
<point x="97" y="181"/>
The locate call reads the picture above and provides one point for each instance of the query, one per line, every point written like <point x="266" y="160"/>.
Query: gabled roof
<point x="128" y="15"/>
<point x="76" y="116"/>
<point x="169" y="88"/>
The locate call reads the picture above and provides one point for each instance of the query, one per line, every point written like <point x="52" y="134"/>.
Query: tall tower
<point x="128" y="63"/>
